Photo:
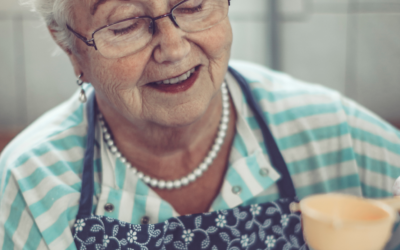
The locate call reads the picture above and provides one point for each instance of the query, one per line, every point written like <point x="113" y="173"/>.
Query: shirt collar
<point x="250" y="171"/>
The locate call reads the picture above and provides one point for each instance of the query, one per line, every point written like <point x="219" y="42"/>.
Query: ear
<point x="72" y="57"/>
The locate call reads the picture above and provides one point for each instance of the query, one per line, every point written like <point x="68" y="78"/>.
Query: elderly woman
<point x="167" y="129"/>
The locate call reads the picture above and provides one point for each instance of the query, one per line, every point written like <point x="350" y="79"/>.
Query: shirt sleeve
<point x="376" y="145"/>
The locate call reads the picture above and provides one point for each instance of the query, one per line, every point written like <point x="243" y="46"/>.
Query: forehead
<point x="94" y="4"/>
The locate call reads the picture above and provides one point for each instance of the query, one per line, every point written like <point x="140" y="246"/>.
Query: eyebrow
<point x="96" y="5"/>
<point x="100" y="2"/>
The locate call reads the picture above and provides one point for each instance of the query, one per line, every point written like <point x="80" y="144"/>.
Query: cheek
<point x="118" y="74"/>
<point x="217" y="42"/>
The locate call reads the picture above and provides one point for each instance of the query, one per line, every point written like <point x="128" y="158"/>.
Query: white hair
<point x="57" y="14"/>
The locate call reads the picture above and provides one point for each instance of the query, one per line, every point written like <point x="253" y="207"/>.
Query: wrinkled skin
<point x="165" y="135"/>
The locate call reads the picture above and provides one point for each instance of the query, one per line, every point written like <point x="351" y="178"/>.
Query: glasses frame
<point x="92" y="43"/>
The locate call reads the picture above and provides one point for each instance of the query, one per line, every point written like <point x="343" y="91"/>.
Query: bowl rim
<point x="315" y="214"/>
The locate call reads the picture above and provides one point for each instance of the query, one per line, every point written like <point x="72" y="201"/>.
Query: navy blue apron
<point x="269" y="226"/>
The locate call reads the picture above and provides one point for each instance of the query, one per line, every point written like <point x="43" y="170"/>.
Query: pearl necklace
<point x="195" y="174"/>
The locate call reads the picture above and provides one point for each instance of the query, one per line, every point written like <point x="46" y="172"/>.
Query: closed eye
<point x="129" y="26"/>
<point x="190" y="10"/>
<point x="125" y="30"/>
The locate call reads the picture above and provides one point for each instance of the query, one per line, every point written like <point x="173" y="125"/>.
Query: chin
<point x="181" y="116"/>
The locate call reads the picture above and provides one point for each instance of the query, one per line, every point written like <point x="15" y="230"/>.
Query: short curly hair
<point x="56" y="14"/>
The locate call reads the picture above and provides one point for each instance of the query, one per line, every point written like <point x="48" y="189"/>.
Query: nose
<point x="172" y="44"/>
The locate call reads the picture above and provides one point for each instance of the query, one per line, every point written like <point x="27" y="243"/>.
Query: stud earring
<point x="82" y="96"/>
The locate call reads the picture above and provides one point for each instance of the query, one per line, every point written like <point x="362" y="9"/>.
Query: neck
<point x="156" y="149"/>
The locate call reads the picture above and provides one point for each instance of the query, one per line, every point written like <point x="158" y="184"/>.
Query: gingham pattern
<point x="330" y="144"/>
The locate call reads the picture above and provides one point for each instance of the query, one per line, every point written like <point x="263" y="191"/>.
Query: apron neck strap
<point x="285" y="184"/>
<point x="87" y="191"/>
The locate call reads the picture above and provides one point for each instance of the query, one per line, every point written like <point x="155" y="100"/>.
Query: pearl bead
<point x="191" y="177"/>
<point x="185" y="181"/>
<point x="225" y="105"/>
<point x="100" y="115"/>
<point x="219" y="141"/>
<point x="134" y="170"/>
<point x="161" y="184"/>
<point x="154" y="182"/>
<point x="208" y="160"/>
<point x="101" y="123"/>
<point x="118" y="154"/>
<point x="223" y="126"/>
<point x="107" y="136"/>
<point x="225" y="112"/>
<point x="114" y="149"/>
<point x="146" y="179"/>
<point x="203" y="167"/>
<point x="216" y="147"/>
<point x="128" y="164"/>
<point x="123" y="159"/>
<point x="177" y="184"/>
<point x="198" y="172"/>
<point x="212" y="154"/>
<point x="224" y="91"/>
<point x="104" y="130"/>
<point x="169" y="185"/>
<point x="225" y="98"/>
<point x="225" y="120"/>
<point x="140" y="175"/>
<point x="110" y="143"/>
<point x="221" y="134"/>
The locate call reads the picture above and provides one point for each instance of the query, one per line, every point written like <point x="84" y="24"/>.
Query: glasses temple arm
<point x="84" y="39"/>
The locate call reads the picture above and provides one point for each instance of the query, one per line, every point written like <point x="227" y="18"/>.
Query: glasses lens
<point x="124" y="38"/>
<point x="197" y="15"/>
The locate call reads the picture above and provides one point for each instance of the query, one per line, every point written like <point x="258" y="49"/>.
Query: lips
<point x="177" y="84"/>
<point x="179" y="79"/>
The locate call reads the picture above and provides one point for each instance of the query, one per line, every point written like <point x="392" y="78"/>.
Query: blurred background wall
<point x="352" y="46"/>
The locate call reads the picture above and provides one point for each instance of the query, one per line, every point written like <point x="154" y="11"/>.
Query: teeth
<point x="183" y="77"/>
<point x="174" y="80"/>
<point x="178" y="79"/>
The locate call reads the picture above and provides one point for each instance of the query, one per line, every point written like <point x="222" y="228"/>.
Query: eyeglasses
<point x="130" y="35"/>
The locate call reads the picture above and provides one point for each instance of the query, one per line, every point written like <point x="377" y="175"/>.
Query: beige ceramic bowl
<point x="344" y="222"/>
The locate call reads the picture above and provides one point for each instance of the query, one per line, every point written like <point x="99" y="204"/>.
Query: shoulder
<point x="289" y="102"/>
<point x="277" y="87"/>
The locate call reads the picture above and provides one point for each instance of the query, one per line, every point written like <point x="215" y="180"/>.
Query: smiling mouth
<point x="178" y="79"/>
<point x="179" y="83"/>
